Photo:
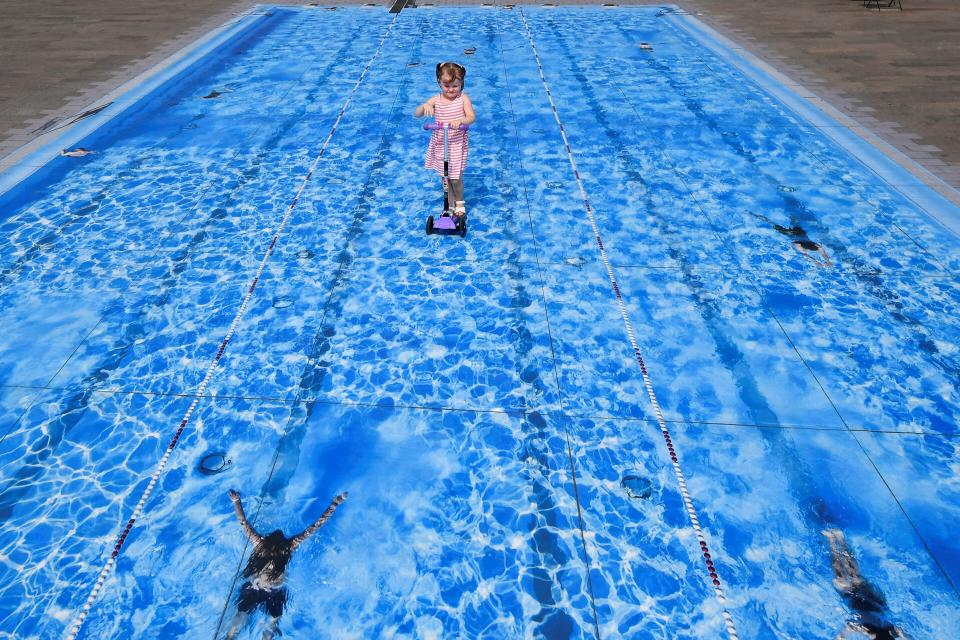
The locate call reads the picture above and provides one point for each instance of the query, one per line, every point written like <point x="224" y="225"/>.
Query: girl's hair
<point x="274" y="548"/>
<point x="451" y="69"/>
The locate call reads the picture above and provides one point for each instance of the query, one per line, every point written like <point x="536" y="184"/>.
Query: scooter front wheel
<point x="429" y="225"/>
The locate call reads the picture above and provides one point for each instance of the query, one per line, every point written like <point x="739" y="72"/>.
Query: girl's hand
<point x="234" y="496"/>
<point x="428" y="108"/>
<point x="454" y="125"/>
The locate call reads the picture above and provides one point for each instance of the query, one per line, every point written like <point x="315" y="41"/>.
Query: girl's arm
<point x="242" y="517"/>
<point x="426" y="109"/>
<point x="297" y="540"/>
<point x="469" y="115"/>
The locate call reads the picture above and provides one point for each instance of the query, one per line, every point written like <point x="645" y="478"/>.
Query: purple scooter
<point x="447" y="223"/>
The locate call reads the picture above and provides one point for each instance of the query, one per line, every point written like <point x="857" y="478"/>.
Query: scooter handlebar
<point x="434" y="126"/>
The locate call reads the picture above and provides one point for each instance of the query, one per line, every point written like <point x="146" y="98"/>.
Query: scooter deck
<point x="447" y="225"/>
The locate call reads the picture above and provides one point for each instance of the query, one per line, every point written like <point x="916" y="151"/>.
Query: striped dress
<point x="458" y="140"/>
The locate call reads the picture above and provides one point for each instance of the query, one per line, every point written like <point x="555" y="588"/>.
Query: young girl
<point x="451" y="106"/>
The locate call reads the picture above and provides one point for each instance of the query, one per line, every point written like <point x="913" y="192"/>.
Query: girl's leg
<point x="456" y="193"/>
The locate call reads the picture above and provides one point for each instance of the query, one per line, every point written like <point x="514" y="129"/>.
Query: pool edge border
<point x="21" y="163"/>
<point x="937" y="198"/>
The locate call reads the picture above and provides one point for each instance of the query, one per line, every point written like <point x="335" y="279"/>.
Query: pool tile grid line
<point x="561" y="413"/>
<point x="880" y="158"/>
<point x="751" y="277"/>
<point x="108" y="566"/>
<point x="340" y="276"/>
<point x="885" y="297"/>
<point x="5" y="281"/>
<point x="207" y="186"/>
<point x="855" y="264"/>
<point x="40" y="144"/>
<point x="691" y="512"/>
<point x="853" y="431"/>
<point x="914" y="247"/>
<point x="858" y="436"/>
<point x="846" y="425"/>
<point x="576" y="261"/>
<point x="556" y="373"/>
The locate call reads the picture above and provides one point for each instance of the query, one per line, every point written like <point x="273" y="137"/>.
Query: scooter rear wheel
<point x="429" y="225"/>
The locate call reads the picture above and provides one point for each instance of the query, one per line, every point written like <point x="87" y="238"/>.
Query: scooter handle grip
<point x="434" y="126"/>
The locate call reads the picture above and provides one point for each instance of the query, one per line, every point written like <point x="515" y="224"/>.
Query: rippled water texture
<point x="477" y="397"/>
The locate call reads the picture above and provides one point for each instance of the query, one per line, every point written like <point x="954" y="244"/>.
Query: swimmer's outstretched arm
<point x="761" y="217"/>
<point x="252" y="534"/>
<point x="297" y="540"/>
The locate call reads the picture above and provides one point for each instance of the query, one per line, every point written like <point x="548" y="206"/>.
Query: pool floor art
<point x="692" y="373"/>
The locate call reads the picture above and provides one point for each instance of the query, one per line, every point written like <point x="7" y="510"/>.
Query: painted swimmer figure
<point x="811" y="250"/>
<point x="79" y="152"/>
<point x="266" y="568"/>
<point x="863" y="598"/>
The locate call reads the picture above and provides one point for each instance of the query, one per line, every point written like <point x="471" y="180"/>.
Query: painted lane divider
<point x="74" y="629"/>
<point x="628" y="325"/>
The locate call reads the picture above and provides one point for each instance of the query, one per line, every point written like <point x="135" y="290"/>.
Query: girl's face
<point x="451" y="87"/>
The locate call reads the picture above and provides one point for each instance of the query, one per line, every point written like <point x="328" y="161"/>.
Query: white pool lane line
<point x="628" y="325"/>
<point x="138" y="510"/>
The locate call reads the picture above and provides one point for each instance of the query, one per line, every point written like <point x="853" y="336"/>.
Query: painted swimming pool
<point x="234" y="291"/>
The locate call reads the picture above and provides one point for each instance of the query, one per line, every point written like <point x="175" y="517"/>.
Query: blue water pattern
<point x="477" y="397"/>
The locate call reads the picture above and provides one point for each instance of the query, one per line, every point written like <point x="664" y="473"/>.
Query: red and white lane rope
<point x="138" y="510"/>
<point x="677" y="470"/>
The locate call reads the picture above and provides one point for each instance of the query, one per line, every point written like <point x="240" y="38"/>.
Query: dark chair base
<point x="878" y="3"/>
